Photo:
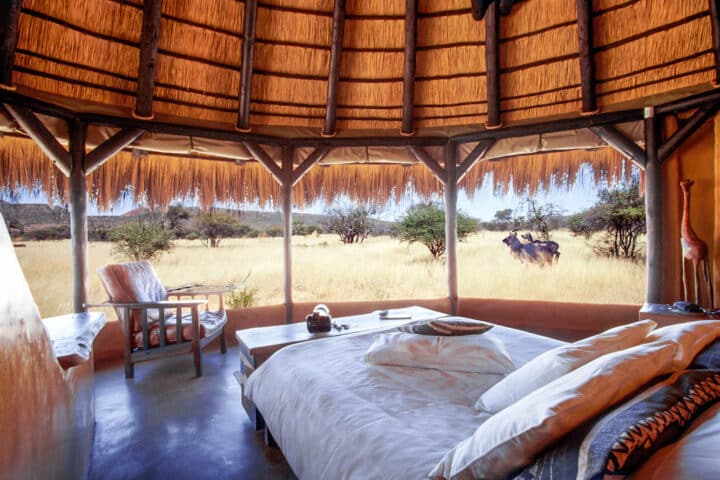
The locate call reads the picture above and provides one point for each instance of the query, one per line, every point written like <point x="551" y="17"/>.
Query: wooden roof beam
<point x="32" y="125"/>
<point x="265" y="160"/>
<point x="702" y="115"/>
<point x="475" y="155"/>
<point x="492" y="62"/>
<point x="409" y="67"/>
<point x="9" y="16"/>
<point x="315" y="156"/>
<point x="149" y="39"/>
<point x="423" y="157"/>
<point x="248" y="53"/>
<point x="586" y="43"/>
<point x="103" y="152"/>
<point x="338" y="29"/>
<point x="715" y="19"/>
<point x="615" y="138"/>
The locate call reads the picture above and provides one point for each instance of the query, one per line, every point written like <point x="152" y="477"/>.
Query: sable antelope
<point x="527" y="251"/>
<point x="694" y="249"/>
<point x="549" y="245"/>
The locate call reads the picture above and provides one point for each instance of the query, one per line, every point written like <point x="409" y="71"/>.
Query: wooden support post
<point x="702" y="115"/>
<point x="451" y="194"/>
<point x="476" y="154"/>
<point x="287" y="187"/>
<point x="614" y="137"/>
<point x="9" y="16"/>
<point x="338" y="28"/>
<point x="78" y="215"/>
<point x="587" y="55"/>
<point x="103" y="152"/>
<point x="653" y="210"/>
<point x="248" y="53"/>
<point x="715" y="19"/>
<point x="149" y="39"/>
<point x="492" y="62"/>
<point x="41" y="136"/>
<point x="409" y="69"/>
<point x="423" y="157"/>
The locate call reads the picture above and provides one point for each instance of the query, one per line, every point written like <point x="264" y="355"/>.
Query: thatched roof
<point x="374" y="76"/>
<point x="88" y="52"/>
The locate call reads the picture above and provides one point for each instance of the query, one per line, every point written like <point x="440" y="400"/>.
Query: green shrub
<point x="213" y="227"/>
<point x="425" y="223"/>
<point x="140" y="240"/>
<point x="243" y="297"/>
<point x="49" y="232"/>
<point x="274" y="231"/>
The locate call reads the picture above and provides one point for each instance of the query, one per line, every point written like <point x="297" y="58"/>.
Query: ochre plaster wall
<point x="46" y="413"/>
<point x="698" y="160"/>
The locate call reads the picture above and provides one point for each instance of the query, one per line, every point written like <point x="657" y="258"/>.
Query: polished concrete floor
<point x="166" y="424"/>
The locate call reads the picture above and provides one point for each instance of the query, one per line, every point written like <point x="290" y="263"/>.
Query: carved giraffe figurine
<point x="694" y="249"/>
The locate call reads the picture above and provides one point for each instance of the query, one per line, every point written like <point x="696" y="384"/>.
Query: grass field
<point x="380" y="268"/>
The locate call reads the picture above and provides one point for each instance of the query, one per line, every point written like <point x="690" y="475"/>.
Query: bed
<point x="336" y="416"/>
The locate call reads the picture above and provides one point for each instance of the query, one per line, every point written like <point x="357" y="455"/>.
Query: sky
<point x="483" y="204"/>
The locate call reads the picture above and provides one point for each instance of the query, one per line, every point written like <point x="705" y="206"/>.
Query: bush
<point x="274" y="231"/>
<point x="140" y="240"/>
<point x="425" y="223"/>
<point x="243" y="297"/>
<point x="213" y="227"/>
<point x="352" y="224"/>
<point x="49" y="232"/>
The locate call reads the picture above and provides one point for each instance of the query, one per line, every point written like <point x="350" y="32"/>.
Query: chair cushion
<point x="210" y="323"/>
<point x="133" y="282"/>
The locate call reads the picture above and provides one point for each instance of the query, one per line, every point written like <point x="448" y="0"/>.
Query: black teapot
<point x="319" y="320"/>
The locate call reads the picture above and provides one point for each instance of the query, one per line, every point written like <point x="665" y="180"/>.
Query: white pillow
<point x="512" y="438"/>
<point x="555" y="363"/>
<point x="467" y="353"/>
<point x="691" y="337"/>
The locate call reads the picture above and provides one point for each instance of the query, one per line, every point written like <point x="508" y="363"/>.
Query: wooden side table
<point x="258" y="344"/>
<point x="72" y="336"/>
<point x="665" y="315"/>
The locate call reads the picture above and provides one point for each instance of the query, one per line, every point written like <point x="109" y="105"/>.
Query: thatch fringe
<point x="160" y="178"/>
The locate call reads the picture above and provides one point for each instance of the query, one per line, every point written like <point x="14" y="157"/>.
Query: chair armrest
<point x="146" y="305"/>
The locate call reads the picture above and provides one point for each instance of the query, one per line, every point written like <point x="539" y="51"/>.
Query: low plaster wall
<point x="567" y="321"/>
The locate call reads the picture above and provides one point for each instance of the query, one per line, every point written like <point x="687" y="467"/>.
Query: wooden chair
<point x="150" y="321"/>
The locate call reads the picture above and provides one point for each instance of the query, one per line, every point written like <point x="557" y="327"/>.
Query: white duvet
<point x="335" y="416"/>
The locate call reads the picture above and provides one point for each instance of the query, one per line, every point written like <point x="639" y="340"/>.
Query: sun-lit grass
<point x="380" y="268"/>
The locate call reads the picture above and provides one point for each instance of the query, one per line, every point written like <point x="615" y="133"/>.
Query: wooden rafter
<point x="32" y="125"/>
<point x="149" y="39"/>
<point x="259" y="153"/>
<point x="475" y="154"/>
<point x="409" y="67"/>
<point x="248" y="53"/>
<point x="587" y="57"/>
<point x="103" y="152"/>
<point x="315" y="156"/>
<point x="702" y="115"/>
<point x="615" y="138"/>
<point x="423" y="157"/>
<point x="715" y="19"/>
<point x="9" y="16"/>
<point x="338" y="28"/>
<point x="492" y="61"/>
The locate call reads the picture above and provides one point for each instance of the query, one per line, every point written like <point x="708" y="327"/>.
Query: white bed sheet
<point x="336" y="417"/>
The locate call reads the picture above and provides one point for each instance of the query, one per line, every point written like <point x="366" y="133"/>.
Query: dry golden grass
<point x="380" y="268"/>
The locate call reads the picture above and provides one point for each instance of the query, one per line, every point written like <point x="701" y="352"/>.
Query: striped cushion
<point x="447" y="327"/>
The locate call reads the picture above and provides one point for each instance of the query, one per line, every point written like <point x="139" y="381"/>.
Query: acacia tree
<point x="620" y="213"/>
<point x="141" y="239"/>
<point x="539" y="217"/>
<point x="425" y="223"/>
<point x="213" y="227"/>
<point x="352" y="224"/>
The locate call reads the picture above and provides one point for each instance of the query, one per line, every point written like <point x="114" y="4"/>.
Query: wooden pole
<point x="614" y="137"/>
<point x="492" y="61"/>
<point x="9" y="16"/>
<point x="409" y="68"/>
<point x="422" y="156"/>
<point x="476" y="154"/>
<point x="338" y="28"/>
<point x="451" y="194"/>
<point x="587" y="61"/>
<point x="103" y="152"/>
<point x="78" y="216"/>
<point x="32" y="125"/>
<point x="315" y="156"/>
<point x="248" y="53"/>
<point x="149" y="39"/>
<point x="653" y="210"/>
<point x="287" y="186"/>
<point x="715" y="19"/>
<point x="702" y="115"/>
<point x="261" y="156"/>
